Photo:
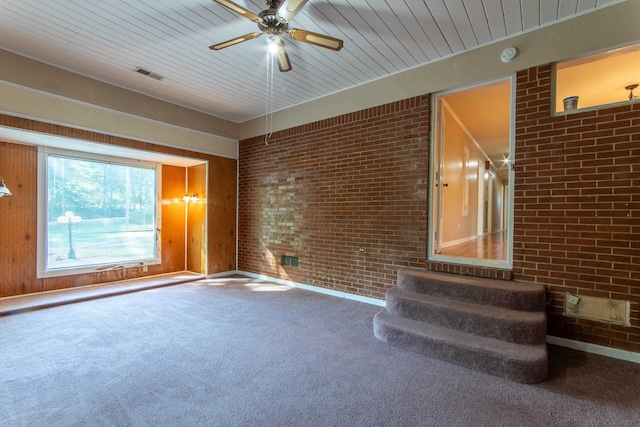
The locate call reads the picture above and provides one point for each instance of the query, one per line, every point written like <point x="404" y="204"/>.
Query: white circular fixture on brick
<point x="509" y="54"/>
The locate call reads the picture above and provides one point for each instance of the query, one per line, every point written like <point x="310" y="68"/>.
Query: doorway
<point x="471" y="205"/>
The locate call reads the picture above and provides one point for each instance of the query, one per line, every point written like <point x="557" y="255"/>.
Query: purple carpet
<point x="241" y="352"/>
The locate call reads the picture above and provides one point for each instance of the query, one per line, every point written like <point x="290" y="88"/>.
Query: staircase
<point x="489" y="325"/>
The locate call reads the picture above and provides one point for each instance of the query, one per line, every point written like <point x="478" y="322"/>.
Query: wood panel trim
<point x="18" y="164"/>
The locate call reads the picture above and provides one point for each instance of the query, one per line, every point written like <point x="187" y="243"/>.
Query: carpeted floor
<point x="241" y="352"/>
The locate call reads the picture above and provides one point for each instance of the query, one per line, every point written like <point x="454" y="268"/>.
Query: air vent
<point x="289" y="261"/>
<point x="148" y="73"/>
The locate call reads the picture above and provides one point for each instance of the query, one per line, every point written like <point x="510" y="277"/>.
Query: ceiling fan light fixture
<point x="273" y="42"/>
<point x="274" y="22"/>
<point x="279" y="52"/>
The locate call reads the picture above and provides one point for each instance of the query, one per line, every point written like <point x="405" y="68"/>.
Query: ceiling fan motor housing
<point x="271" y="23"/>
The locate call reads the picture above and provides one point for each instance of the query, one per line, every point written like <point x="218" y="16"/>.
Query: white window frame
<point x="42" y="206"/>
<point x="603" y="89"/>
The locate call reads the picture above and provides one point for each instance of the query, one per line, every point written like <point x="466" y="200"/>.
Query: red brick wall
<point x="347" y="195"/>
<point x="577" y="207"/>
<point x="324" y="190"/>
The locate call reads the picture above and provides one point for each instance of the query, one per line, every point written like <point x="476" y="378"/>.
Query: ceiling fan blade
<point x="289" y="8"/>
<point x="315" y="39"/>
<point x="281" y="56"/>
<point x="237" y="40"/>
<point x="239" y="10"/>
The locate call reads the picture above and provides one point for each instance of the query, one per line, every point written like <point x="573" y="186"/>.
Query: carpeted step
<point x="494" y="326"/>
<point x="498" y="293"/>
<point x="521" y="363"/>
<point x="520" y="327"/>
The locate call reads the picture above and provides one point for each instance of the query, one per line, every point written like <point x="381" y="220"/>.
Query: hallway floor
<point x="490" y="246"/>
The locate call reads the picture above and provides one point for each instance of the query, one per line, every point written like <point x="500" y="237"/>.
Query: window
<point x="96" y="213"/>
<point x="471" y="202"/>
<point x="602" y="79"/>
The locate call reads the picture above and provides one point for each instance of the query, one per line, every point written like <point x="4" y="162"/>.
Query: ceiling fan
<point x="274" y="22"/>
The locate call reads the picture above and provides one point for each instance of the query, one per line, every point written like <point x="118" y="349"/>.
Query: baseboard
<point x="225" y="274"/>
<point x="38" y="300"/>
<point x="614" y="353"/>
<point x="331" y="292"/>
<point x="459" y="241"/>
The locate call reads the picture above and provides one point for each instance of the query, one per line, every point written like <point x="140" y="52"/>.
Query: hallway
<point x="490" y="246"/>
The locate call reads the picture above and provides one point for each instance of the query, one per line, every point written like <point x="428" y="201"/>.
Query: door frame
<point x="435" y="165"/>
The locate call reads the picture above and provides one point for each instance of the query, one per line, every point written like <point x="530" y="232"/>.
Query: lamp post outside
<point x="69" y="219"/>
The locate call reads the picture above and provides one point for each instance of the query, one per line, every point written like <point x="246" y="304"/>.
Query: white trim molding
<point x="317" y="289"/>
<point x="563" y="342"/>
<point x="614" y="353"/>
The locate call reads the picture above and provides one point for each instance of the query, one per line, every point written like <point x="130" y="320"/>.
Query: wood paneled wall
<point x="196" y="224"/>
<point x="18" y="214"/>
<point x="221" y="205"/>
<point x="18" y="220"/>
<point x="173" y="217"/>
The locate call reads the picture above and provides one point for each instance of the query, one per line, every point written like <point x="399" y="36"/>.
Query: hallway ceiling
<point x="484" y="112"/>
<point x="108" y="40"/>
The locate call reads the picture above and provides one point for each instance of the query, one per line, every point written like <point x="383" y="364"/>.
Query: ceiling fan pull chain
<point x="266" y="103"/>
<point x="269" y="99"/>
<point x="271" y="88"/>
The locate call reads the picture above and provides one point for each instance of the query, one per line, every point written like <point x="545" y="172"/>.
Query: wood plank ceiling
<point x="108" y="39"/>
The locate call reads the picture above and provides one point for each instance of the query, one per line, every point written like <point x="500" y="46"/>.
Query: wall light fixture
<point x="192" y="198"/>
<point x="4" y="191"/>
